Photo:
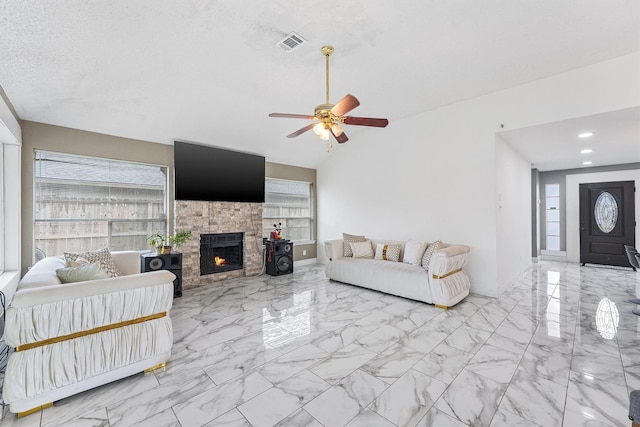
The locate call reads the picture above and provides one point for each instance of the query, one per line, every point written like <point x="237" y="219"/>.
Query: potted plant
<point x="160" y="242"/>
<point x="179" y="238"/>
<point x="164" y="243"/>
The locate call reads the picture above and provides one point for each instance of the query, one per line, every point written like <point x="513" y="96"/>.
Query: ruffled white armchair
<point x="69" y="338"/>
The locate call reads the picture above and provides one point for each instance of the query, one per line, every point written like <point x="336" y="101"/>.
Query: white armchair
<point x="69" y="338"/>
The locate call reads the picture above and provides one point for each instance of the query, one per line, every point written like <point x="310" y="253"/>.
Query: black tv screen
<point x="214" y="174"/>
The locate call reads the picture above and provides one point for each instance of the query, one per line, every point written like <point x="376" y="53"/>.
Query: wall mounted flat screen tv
<point x="215" y="174"/>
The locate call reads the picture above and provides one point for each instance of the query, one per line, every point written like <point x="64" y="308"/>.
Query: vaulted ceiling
<point x="209" y="71"/>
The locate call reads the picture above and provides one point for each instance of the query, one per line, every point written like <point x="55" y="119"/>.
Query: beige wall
<point x="40" y="136"/>
<point x="294" y="173"/>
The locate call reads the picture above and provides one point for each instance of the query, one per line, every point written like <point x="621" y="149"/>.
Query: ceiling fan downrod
<point x="327" y="51"/>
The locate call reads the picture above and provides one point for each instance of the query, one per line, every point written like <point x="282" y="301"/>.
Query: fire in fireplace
<point x="221" y="252"/>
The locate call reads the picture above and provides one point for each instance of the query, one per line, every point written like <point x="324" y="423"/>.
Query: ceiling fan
<point x="330" y="116"/>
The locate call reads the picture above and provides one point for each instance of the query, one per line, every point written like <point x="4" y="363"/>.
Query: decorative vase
<point x="163" y="250"/>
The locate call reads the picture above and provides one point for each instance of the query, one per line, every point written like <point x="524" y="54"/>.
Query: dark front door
<point x="607" y="222"/>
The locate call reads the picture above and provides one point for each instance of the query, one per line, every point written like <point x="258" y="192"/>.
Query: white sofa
<point x="72" y="337"/>
<point x="444" y="284"/>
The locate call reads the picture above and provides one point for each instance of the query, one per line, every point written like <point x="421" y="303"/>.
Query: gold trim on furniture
<point x="90" y="332"/>
<point x="444" y="307"/>
<point x="153" y="368"/>
<point x="34" y="410"/>
<point x="435" y="276"/>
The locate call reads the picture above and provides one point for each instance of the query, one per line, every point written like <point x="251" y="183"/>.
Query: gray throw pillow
<point x="82" y="273"/>
<point x="103" y="256"/>
<point x="426" y="258"/>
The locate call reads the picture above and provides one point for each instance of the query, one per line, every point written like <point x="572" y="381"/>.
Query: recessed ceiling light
<point x="586" y="151"/>
<point x="585" y="134"/>
<point x="587" y="163"/>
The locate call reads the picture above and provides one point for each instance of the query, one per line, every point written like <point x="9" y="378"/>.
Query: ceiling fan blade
<point x="301" y="131"/>
<point x="292" y="116"/>
<point x="365" y="121"/>
<point x="338" y="133"/>
<point x="346" y="104"/>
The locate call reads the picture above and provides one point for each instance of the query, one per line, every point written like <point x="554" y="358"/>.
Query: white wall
<point x="433" y="176"/>
<point x="573" y="204"/>
<point x="10" y="132"/>
<point x="513" y="213"/>
<point x="10" y="152"/>
<point x="413" y="180"/>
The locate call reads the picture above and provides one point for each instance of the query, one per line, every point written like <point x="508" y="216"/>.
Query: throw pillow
<point x="413" y="252"/>
<point x="362" y="249"/>
<point x="349" y="238"/>
<point x="77" y="262"/>
<point x="426" y="258"/>
<point x="81" y="273"/>
<point x="388" y="252"/>
<point x="103" y="256"/>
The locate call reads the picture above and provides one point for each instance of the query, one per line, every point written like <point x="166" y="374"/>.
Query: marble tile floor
<point x="559" y="348"/>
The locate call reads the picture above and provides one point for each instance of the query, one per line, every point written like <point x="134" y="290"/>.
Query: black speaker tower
<point x="279" y="257"/>
<point x="171" y="262"/>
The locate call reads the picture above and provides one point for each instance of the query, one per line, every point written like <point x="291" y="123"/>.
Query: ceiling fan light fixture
<point x="330" y="117"/>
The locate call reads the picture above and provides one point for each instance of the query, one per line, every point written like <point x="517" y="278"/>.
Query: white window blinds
<point x="289" y="203"/>
<point x="87" y="203"/>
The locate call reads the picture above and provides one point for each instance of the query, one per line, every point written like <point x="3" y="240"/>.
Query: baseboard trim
<point x="553" y="258"/>
<point x="502" y="289"/>
<point x="302" y="262"/>
<point x="546" y="252"/>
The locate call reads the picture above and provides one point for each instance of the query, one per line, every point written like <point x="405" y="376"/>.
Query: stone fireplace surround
<point x="218" y="217"/>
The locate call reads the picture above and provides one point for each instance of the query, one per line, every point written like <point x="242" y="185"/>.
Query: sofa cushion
<point x="413" y="252"/>
<point x="388" y="252"/>
<point x="348" y="238"/>
<point x="426" y="258"/>
<point x="362" y="249"/>
<point x="42" y="273"/>
<point x="395" y="278"/>
<point x="82" y="273"/>
<point x="102" y="256"/>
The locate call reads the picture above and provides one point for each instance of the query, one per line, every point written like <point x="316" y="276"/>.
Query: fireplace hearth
<point x="221" y="252"/>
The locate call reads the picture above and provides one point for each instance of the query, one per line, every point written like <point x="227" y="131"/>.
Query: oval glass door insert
<point x="606" y="212"/>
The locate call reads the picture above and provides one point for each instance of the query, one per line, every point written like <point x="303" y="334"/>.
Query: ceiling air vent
<point x="290" y="42"/>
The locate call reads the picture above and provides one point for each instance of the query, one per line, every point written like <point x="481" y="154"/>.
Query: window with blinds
<point x="86" y="203"/>
<point x="289" y="203"/>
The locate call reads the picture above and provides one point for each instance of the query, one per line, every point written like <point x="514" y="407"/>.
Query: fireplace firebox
<point x="221" y="252"/>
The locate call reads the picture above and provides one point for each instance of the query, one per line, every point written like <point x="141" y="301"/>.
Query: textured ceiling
<point x="209" y="71"/>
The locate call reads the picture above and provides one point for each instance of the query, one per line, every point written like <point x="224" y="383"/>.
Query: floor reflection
<point x="554" y="307"/>
<point x="293" y="314"/>
<point x="607" y="318"/>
